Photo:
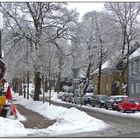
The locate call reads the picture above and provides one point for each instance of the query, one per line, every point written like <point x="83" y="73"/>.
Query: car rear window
<point x="103" y="97"/>
<point x="133" y="100"/>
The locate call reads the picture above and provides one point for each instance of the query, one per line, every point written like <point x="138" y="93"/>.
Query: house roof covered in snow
<point x="105" y="66"/>
<point x="2" y="63"/>
<point x="135" y="54"/>
<point x="82" y="74"/>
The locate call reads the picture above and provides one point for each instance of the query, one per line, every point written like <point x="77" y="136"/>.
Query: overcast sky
<point x="83" y="7"/>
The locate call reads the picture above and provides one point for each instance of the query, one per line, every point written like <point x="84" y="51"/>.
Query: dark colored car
<point x="77" y="98"/>
<point x="89" y="89"/>
<point x="113" y="101"/>
<point x="60" y="95"/>
<point x="64" y="96"/>
<point x="99" y="100"/>
<point x="87" y="99"/>
<point x="129" y="104"/>
<point x="109" y="103"/>
<point x="69" y="97"/>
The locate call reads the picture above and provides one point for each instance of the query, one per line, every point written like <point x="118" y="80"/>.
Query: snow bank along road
<point x="121" y="125"/>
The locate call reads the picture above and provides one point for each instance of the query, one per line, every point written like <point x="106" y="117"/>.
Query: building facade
<point x="134" y="74"/>
<point x="110" y="80"/>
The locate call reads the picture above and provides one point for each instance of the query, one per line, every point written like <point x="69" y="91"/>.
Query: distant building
<point x="106" y="79"/>
<point x="134" y="74"/>
<point x="109" y="77"/>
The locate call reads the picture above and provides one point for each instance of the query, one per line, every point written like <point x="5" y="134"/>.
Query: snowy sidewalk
<point x="34" y="119"/>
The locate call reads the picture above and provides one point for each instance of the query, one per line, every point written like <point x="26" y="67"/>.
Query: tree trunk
<point x="13" y="84"/>
<point x="100" y="67"/>
<point x="46" y="85"/>
<point x="121" y="81"/>
<point x="99" y="78"/>
<point x="24" y="87"/>
<point x="128" y="53"/>
<point x="87" y="78"/>
<point x="37" y="86"/>
<point x="20" y="88"/>
<point x="43" y="85"/>
<point x="123" y="48"/>
<point x="28" y="85"/>
<point x="58" y="87"/>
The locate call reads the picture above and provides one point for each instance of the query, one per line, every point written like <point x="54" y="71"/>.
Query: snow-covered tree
<point x="125" y="14"/>
<point x="40" y="22"/>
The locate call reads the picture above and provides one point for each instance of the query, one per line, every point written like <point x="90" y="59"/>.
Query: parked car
<point x="129" y="104"/>
<point x="60" y="95"/>
<point x="89" y="89"/>
<point x="113" y="101"/>
<point x="77" y="98"/>
<point x="118" y="99"/>
<point x="69" y="97"/>
<point x="99" y="100"/>
<point x="64" y="96"/>
<point x="87" y="99"/>
<point x="109" y="103"/>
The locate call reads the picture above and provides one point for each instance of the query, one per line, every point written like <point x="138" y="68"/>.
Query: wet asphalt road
<point x="119" y="126"/>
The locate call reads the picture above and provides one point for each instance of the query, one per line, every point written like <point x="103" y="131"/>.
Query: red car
<point x="129" y="104"/>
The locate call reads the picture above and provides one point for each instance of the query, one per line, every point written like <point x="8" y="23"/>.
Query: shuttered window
<point x="132" y="88"/>
<point x="135" y="67"/>
<point x="130" y="68"/>
<point x="137" y="87"/>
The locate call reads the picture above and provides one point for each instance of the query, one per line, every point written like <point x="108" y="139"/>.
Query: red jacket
<point x="8" y="93"/>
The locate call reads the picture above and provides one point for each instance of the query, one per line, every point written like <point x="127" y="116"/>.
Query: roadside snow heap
<point x="11" y="128"/>
<point x="68" y="121"/>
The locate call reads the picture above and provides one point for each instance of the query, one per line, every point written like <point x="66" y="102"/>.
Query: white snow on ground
<point x="20" y="117"/>
<point x="11" y="128"/>
<point x="67" y="120"/>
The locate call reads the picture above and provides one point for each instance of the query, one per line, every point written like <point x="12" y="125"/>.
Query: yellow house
<point x="108" y="76"/>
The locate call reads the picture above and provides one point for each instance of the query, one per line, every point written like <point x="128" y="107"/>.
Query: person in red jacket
<point x="8" y="93"/>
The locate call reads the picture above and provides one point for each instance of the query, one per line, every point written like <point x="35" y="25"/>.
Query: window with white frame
<point x="132" y="88"/>
<point x="130" y="68"/>
<point x="134" y="67"/>
<point x="139" y="65"/>
<point x="107" y="87"/>
<point x="96" y="87"/>
<point x="137" y="87"/>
